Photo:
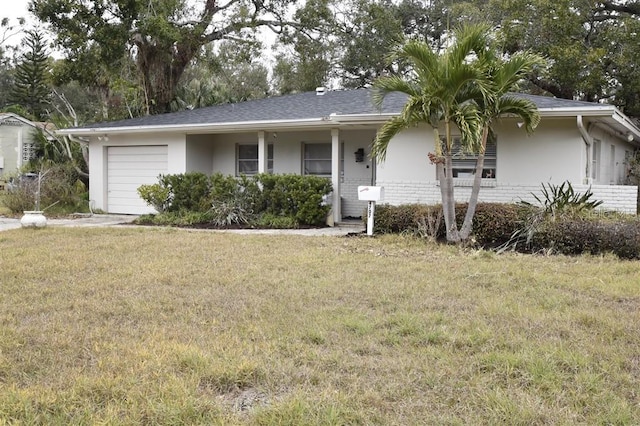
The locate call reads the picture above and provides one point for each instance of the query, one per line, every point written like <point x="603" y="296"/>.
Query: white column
<point x="335" y="174"/>
<point x="262" y="153"/>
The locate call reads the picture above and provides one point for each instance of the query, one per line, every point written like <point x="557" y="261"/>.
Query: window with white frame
<point x="247" y="159"/>
<point x="595" y="159"/>
<point x="316" y="159"/>
<point x="464" y="163"/>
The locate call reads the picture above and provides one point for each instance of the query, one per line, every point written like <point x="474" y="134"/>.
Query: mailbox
<point x="370" y="193"/>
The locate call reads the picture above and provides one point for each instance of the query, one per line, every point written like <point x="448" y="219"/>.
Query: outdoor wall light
<point x="359" y="155"/>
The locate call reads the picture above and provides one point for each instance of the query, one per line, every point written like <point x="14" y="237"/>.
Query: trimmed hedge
<point x="495" y="224"/>
<point x="295" y="196"/>
<point x="574" y="236"/>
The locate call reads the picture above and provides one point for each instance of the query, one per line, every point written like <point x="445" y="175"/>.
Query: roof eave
<point x="201" y="128"/>
<point x="604" y="110"/>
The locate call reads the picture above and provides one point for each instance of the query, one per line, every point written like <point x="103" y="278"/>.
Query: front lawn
<point x="168" y="326"/>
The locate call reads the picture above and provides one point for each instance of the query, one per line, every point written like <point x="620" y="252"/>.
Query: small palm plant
<point x="563" y="199"/>
<point x="555" y="201"/>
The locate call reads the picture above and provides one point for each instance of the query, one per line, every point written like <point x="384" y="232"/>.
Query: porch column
<point x="262" y="153"/>
<point x="335" y="174"/>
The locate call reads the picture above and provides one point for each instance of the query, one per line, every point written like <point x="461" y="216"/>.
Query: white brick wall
<point x="351" y="206"/>
<point x="615" y="197"/>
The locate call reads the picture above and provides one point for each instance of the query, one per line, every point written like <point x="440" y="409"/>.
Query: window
<point x="28" y="152"/>
<point x="464" y="163"/>
<point x="247" y="159"/>
<point x="612" y="165"/>
<point x="595" y="160"/>
<point x="316" y="159"/>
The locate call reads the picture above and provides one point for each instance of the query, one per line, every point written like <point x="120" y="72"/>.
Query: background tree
<point x="370" y="30"/>
<point x="31" y="88"/>
<point x="590" y="45"/>
<point x="305" y="54"/>
<point x="164" y="36"/>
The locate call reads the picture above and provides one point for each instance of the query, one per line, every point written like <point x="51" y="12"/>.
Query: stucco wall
<point x="199" y="154"/>
<point x="555" y="153"/>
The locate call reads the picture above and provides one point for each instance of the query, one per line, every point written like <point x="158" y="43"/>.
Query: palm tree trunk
<point x="467" y="225"/>
<point x="445" y="176"/>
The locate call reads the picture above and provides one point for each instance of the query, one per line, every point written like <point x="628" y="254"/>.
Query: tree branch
<point x="628" y="8"/>
<point x="551" y="87"/>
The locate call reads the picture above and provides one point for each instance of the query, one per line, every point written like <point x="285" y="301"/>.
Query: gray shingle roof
<point x="299" y="106"/>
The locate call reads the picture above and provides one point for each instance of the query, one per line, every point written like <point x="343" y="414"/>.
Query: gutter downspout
<point x="588" y="140"/>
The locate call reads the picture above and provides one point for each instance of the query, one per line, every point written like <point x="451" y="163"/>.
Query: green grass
<point x="167" y="326"/>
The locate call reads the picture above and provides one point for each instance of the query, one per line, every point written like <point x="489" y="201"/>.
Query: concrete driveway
<point x="106" y="220"/>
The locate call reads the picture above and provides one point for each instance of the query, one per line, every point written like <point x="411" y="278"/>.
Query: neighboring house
<point x="17" y="143"/>
<point x="330" y="133"/>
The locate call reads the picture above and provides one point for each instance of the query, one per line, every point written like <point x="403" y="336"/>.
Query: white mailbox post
<point x="370" y="194"/>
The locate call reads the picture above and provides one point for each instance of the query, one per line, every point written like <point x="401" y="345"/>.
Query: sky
<point x="14" y="8"/>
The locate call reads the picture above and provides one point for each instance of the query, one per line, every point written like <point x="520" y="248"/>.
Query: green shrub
<point x="172" y="193"/>
<point x="182" y="218"/>
<point x="556" y="203"/>
<point x="232" y="200"/>
<point x="157" y="196"/>
<point x="189" y="191"/>
<point x="575" y="235"/>
<point x="299" y="197"/>
<point x="271" y="221"/>
<point x="493" y="223"/>
<point x="405" y="218"/>
<point x="562" y="199"/>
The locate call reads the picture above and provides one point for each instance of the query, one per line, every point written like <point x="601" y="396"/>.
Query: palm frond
<point x="470" y="123"/>
<point x="470" y="39"/>
<point x="508" y="73"/>
<point x="385" y="85"/>
<point x="522" y="108"/>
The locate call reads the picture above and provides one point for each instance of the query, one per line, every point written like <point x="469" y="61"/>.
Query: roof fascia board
<point x="323" y="122"/>
<point x="6" y="115"/>
<point x="626" y="122"/>
<point x="188" y="128"/>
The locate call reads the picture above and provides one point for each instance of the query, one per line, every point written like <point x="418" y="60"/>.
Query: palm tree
<point x="441" y="89"/>
<point x="504" y="76"/>
<point x="465" y="86"/>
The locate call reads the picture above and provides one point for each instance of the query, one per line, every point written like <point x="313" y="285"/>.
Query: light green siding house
<point x="17" y="143"/>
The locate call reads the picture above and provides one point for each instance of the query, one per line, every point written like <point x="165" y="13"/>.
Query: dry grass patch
<point x="130" y="326"/>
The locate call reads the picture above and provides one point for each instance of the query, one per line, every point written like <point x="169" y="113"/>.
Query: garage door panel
<point x="142" y="173"/>
<point x="128" y="151"/>
<point x="127" y="180"/>
<point x="128" y="167"/>
<point x="147" y="165"/>
<point x="122" y="161"/>
<point x="125" y="186"/>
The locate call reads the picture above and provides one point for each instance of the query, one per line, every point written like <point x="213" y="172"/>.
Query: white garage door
<point x="128" y="167"/>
